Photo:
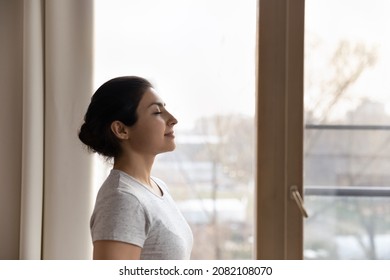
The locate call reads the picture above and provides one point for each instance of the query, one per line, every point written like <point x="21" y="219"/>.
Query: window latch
<point x="296" y="196"/>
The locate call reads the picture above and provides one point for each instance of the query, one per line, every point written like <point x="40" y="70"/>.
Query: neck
<point x="136" y="166"/>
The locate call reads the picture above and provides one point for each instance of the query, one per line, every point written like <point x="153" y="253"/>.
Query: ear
<point x="120" y="130"/>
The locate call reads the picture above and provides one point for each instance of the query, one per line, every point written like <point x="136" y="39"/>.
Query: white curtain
<point x="32" y="131"/>
<point x="46" y="83"/>
<point x="11" y="88"/>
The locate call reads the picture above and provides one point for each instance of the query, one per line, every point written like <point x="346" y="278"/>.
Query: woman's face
<point x="153" y="132"/>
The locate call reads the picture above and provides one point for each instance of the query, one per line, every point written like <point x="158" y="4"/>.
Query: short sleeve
<point x="119" y="217"/>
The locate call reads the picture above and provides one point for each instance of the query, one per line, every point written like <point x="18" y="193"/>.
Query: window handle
<point x="296" y="196"/>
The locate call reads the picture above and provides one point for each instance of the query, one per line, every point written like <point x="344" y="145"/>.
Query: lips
<point x="170" y="134"/>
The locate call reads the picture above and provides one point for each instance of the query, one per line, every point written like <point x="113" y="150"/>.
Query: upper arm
<point x="123" y="216"/>
<point x="115" y="250"/>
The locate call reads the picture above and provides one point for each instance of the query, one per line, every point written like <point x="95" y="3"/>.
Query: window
<point x="200" y="55"/>
<point x="347" y="147"/>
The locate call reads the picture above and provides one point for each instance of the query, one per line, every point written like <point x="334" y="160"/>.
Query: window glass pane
<point x="347" y="147"/>
<point x="200" y="55"/>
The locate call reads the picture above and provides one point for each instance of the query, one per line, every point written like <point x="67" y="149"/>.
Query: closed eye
<point x="159" y="107"/>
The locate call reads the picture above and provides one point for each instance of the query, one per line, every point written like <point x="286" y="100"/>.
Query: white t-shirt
<point x="130" y="212"/>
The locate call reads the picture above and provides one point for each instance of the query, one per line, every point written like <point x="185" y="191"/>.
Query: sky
<point x="200" y="54"/>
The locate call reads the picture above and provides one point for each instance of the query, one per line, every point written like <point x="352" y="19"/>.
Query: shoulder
<point x="119" y="183"/>
<point x="117" y="192"/>
<point x="117" y="201"/>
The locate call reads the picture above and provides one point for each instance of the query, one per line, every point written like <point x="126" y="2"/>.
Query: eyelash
<point x="157" y="113"/>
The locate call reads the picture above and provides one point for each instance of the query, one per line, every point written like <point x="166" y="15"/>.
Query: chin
<point x="167" y="149"/>
<point x="171" y="148"/>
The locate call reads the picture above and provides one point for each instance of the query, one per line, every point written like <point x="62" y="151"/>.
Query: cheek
<point x="148" y="135"/>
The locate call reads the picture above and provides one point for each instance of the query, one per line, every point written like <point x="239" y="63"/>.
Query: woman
<point x="134" y="215"/>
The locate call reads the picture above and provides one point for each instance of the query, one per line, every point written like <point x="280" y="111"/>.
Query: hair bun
<point x="85" y="135"/>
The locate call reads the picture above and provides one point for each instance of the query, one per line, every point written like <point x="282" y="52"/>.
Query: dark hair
<point x="117" y="99"/>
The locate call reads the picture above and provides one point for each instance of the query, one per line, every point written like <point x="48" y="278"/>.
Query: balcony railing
<point x="367" y="191"/>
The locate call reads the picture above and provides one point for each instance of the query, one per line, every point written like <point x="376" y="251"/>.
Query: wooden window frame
<point x="279" y="117"/>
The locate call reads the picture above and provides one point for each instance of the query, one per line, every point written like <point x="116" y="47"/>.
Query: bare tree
<point x="232" y="156"/>
<point x="347" y="65"/>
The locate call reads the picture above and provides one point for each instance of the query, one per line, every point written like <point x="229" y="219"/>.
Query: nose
<point x="172" y="120"/>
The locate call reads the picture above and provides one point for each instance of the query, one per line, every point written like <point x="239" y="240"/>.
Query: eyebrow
<point x="159" y="104"/>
